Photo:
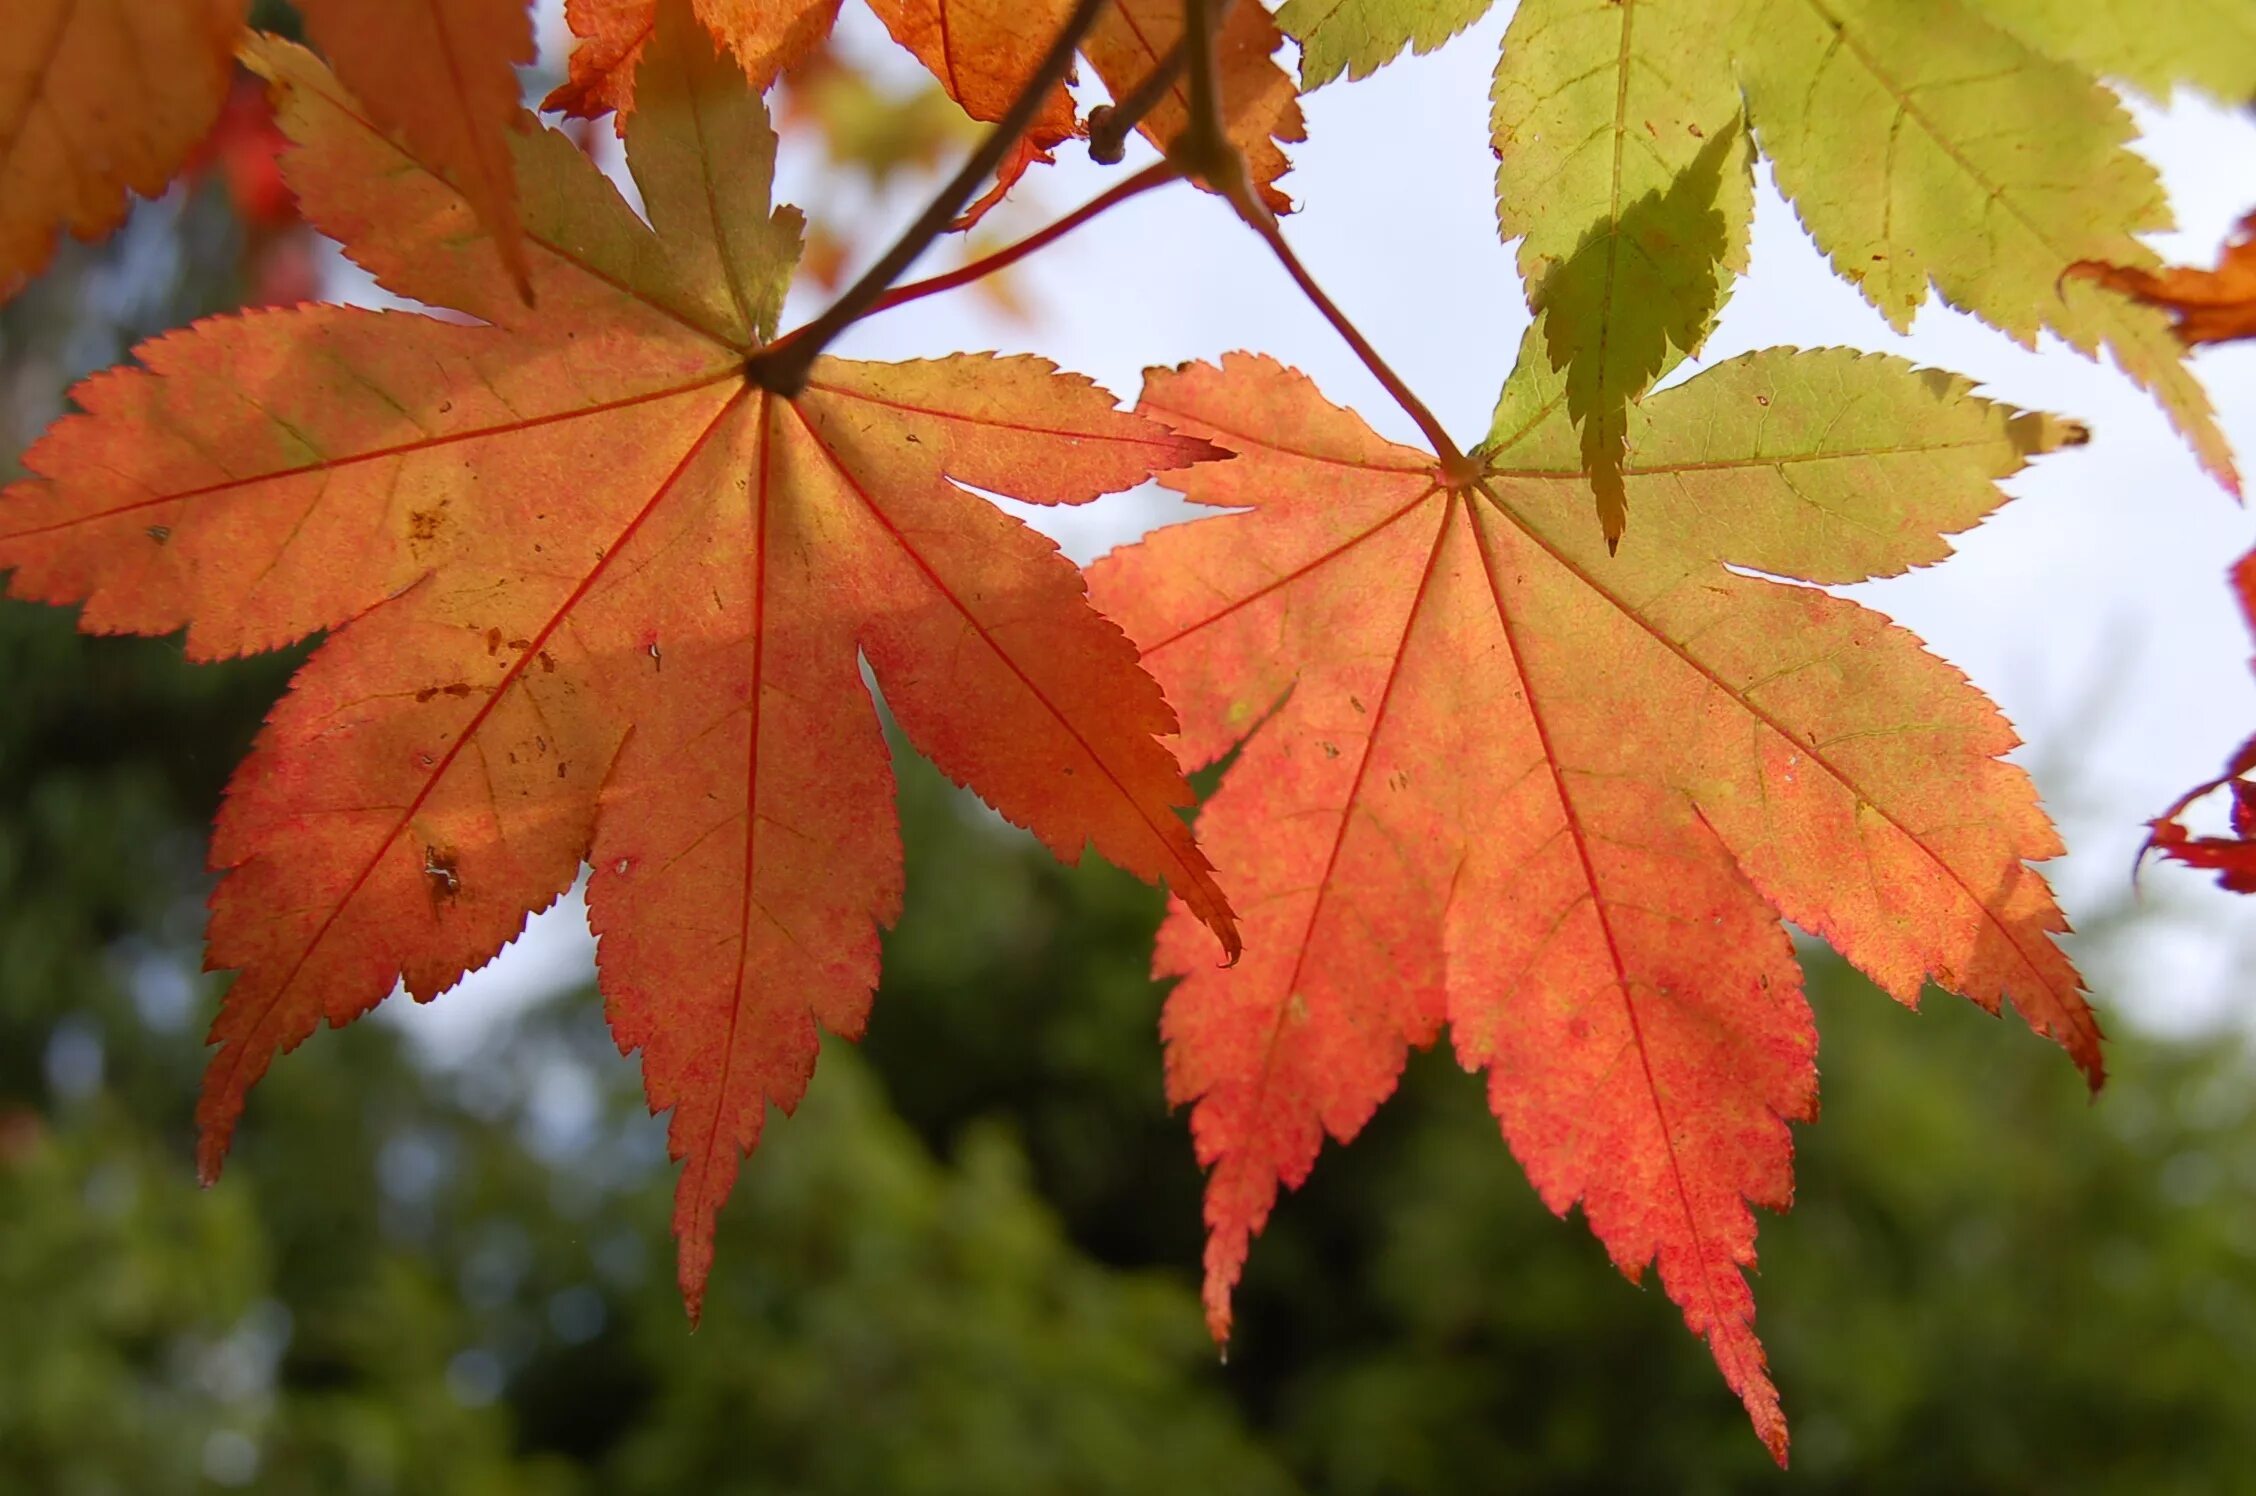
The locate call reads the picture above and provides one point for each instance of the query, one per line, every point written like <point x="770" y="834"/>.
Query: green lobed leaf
<point x="1358" y="37"/>
<point x="1922" y="144"/>
<point x="1623" y="170"/>
<point x="2150" y="44"/>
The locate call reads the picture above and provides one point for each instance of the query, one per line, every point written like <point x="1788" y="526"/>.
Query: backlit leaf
<point x="442" y="74"/>
<point x="2211" y="306"/>
<point x="98" y="99"/>
<point x="982" y="51"/>
<point x="1358" y="37"/>
<point x="1494" y="778"/>
<point x="2152" y="44"/>
<point x="766" y="36"/>
<point x="593" y="594"/>
<point x="1922" y="144"/>
<point x="1624" y="172"/>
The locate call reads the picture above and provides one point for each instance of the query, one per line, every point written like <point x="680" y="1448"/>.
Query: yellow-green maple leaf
<point x="1623" y="170"/>
<point x="1358" y="37"/>
<point x="2150" y="44"/>
<point x="1921" y="143"/>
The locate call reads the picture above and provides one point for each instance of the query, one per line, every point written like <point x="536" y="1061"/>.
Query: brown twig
<point x="1111" y="124"/>
<point x="1202" y="29"/>
<point x="1456" y="468"/>
<point x="1158" y="174"/>
<point x="782" y="366"/>
<point x="1205" y="150"/>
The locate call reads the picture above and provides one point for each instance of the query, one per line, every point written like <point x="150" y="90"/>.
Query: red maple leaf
<point x="1493" y="777"/>
<point x="2232" y="858"/>
<point x="592" y="593"/>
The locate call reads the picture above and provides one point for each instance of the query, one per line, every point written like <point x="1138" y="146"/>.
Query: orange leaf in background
<point x="592" y="594"/>
<point x="2232" y="858"/>
<point x="2212" y="306"/>
<point x="1260" y="100"/>
<point x="766" y="36"/>
<point x="441" y="75"/>
<point x="1494" y="778"/>
<point x="99" y="99"/>
<point x="982" y="51"/>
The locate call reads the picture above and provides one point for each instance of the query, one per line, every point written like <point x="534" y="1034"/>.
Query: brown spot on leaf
<point x="439" y="872"/>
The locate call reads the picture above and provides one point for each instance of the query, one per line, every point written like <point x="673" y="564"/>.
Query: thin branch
<point x="1205" y="148"/>
<point x="1110" y="124"/>
<point x="1456" y="469"/>
<point x="1158" y="174"/>
<point x="1202" y="27"/>
<point x="782" y="366"/>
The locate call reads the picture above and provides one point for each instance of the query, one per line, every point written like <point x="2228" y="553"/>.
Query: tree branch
<point x="1110" y="124"/>
<point x="782" y="366"/>
<point x="1202" y="26"/>
<point x="1205" y="148"/>
<point x="1457" y="469"/>
<point x="1158" y="174"/>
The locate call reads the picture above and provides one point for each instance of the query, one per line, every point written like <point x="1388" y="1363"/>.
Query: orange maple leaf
<point x="982" y="51"/>
<point x="1494" y="778"/>
<point x="441" y="75"/>
<point x="98" y="100"/>
<point x="2212" y="306"/>
<point x="766" y="37"/>
<point x="593" y="594"/>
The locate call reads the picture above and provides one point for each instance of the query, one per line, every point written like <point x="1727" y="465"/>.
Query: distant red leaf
<point x="2232" y="858"/>
<point x="244" y="149"/>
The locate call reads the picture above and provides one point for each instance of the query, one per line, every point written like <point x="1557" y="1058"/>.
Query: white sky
<point x="2094" y="608"/>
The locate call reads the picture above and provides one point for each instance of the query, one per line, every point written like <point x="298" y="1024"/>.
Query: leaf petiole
<point x="1457" y="470"/>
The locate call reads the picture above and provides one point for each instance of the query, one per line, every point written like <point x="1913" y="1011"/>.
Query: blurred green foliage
<point x="967" y="1264"/>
